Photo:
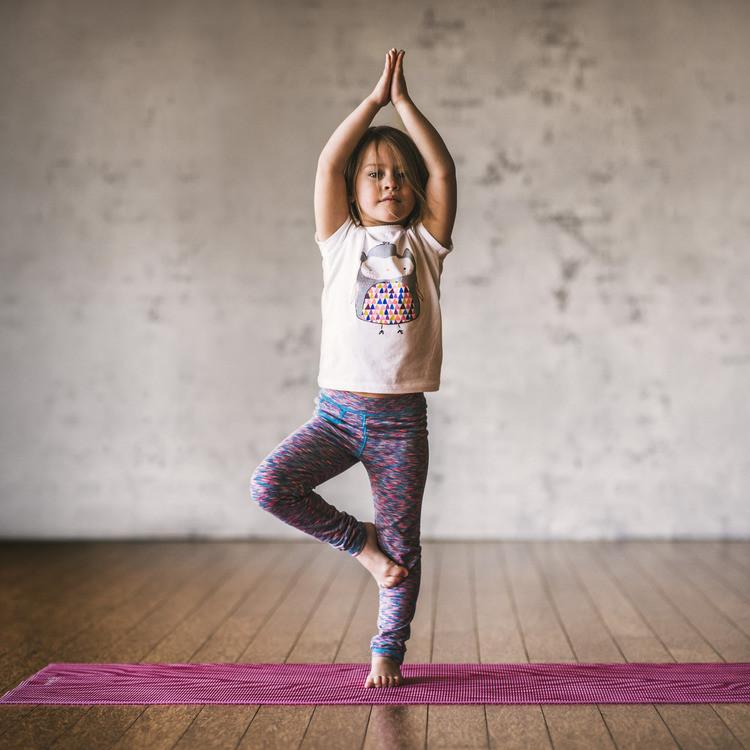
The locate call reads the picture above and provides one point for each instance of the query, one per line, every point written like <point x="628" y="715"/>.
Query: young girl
<point x="385" y="203"/>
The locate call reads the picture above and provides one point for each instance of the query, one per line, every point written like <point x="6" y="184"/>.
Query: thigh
<point x="397" y="462"/>
<point x="307" y="457"/>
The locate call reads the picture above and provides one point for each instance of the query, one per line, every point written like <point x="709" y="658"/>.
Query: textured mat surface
<point x="317" y="684"/>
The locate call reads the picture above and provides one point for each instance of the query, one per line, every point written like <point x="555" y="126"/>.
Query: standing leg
<point x="283" y="483"/>
<point x="396" y="460"/>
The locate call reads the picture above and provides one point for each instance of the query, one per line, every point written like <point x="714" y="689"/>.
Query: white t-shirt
<point x="382" y="329"/>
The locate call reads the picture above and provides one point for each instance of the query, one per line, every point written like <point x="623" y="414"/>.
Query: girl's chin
<point x="385" y="209"/>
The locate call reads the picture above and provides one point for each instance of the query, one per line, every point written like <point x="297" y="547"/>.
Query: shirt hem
<point x="380" y="388"/>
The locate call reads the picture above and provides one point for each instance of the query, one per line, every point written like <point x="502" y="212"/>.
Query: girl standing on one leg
<point x="385" y="204"/>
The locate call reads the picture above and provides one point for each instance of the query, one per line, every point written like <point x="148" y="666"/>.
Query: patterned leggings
<point x="389" y="436"/>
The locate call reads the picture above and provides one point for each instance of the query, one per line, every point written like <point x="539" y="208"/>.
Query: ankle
<point x="363" y="541"/>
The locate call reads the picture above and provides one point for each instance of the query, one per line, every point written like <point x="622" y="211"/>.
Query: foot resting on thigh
<point x="386" y="572"/>
<point x="384" y="672"/>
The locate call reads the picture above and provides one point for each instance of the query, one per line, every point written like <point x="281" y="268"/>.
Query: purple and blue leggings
<point x="389" y="436"/>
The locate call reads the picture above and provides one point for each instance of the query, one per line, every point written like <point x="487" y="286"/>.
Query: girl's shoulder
<point x="421" y="231"/>
<point x="339" y="236"/>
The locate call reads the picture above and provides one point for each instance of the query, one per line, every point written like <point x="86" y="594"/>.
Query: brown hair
<point x="408" y="158"/>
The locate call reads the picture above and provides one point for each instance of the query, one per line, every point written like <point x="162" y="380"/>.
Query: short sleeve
<point x="327" y="245"/>
<point x="441" y="250"/>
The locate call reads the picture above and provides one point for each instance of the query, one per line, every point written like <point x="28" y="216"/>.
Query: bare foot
<point x="384" y="672"/>
<point x="386" y="572"/>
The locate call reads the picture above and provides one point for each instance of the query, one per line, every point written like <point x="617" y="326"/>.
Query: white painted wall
<point x="160" y="287"/>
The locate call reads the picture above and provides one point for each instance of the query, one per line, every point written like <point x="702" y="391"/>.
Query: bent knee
<point x="261" y="488"/>
<point x="268" y="487"/>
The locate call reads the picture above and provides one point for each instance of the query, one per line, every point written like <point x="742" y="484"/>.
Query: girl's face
<point x="382" y="193"/>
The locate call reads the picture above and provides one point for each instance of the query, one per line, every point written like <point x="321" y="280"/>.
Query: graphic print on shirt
<point x="387" y="290"/>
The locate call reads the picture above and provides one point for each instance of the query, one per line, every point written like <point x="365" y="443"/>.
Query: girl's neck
<point x="365" y="227"/>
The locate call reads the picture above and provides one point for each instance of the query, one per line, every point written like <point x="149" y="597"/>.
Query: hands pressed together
<point x="391" y="86"/>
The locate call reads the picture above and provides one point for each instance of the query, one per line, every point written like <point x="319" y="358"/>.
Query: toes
<point x="379" y="681"/>
<point x="394" y="579"/>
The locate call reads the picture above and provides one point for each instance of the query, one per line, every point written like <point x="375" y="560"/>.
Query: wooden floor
<point x="306" y="602"/>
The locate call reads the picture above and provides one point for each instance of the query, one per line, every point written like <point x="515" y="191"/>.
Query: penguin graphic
<point x="387" y="292"/>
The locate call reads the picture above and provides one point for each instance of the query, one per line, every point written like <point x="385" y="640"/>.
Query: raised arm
<point x="331" y="201"/>
<point x="440" y="213"/>
<point x="347" y="134"/>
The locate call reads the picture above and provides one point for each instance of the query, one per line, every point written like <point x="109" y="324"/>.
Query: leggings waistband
<point x="397" y="404"/>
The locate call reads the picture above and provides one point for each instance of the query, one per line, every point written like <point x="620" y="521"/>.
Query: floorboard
<point x="305" y="602"/>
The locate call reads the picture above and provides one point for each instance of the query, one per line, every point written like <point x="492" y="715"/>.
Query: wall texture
<point x="160" y="298"/>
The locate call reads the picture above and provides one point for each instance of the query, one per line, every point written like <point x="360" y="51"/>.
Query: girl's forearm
<point x="428" y="140"/>
<point x="346" y="136"/>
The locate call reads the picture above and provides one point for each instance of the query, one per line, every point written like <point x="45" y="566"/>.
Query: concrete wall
<point x="160" y="299"/>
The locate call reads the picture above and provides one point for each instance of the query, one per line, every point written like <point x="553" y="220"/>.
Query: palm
<point x="382" y="91"/>
<point x="398" y="83"/>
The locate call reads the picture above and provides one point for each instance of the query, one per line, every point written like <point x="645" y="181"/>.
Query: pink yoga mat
<point x="318" y="684"/>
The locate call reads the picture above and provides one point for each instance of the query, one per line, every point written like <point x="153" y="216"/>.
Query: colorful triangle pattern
<point x="389" y="302"/>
